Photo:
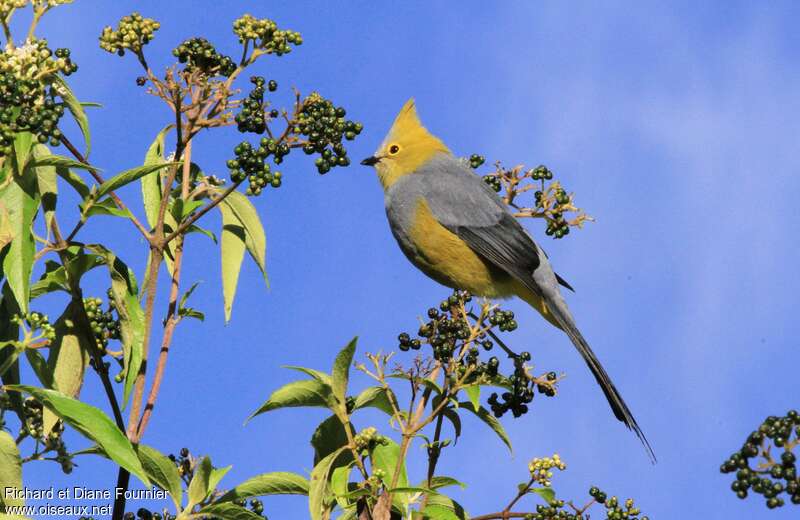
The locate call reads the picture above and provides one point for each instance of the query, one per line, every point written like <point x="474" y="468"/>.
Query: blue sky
<point x="675" y="123"/>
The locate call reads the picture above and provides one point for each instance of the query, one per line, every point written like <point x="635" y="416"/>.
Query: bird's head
<point x="407" y="146"/>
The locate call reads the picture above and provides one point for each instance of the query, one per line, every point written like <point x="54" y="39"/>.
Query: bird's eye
<point x="394" y="149"/>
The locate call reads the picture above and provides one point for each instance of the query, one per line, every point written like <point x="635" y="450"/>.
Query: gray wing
<point x="466" y="206"/>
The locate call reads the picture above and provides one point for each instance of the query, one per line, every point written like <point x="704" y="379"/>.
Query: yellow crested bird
<point x="458" y="231"/>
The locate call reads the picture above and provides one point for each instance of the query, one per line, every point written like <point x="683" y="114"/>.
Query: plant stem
<point x="501" y="515"/>
<point x="156" y="256"/>
<point x="172" y="310"/>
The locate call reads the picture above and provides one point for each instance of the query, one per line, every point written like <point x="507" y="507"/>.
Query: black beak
<point x="371" y="161"/>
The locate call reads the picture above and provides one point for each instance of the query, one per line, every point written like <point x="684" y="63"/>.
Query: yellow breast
<point x="446" y="258"/>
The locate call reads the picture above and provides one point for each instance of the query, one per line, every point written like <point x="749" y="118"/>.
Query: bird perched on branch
<point x="456" y="230"/>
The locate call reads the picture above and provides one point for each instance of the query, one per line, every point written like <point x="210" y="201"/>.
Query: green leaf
<point x="106" y="206"/>
<point x="247" y="216"/>
<point x="59" y="161"/>
<point x="329" y="436"/>
<point x="440" y="505"/>
<point x="10" y="471"/>
<point x="228" y="511"/>
<point x="40" y="368"/>
<point x="93" y="424"/>
<point x="487" y="417"/>
<point x="22" y="150"/>
<point x="8" y="358"/>
<point x="474" y="395"/>
<point x="47" y="186"/>
<point x="128" y="176"/>
<point x="53" y="279"/>
<point x="180" y="209"/>
<point x="124" y="291"/>
<point x="68" y="358"/>
<point x="76" y="109"/>
<point x="545" y="492"/>
<point x="297" y="393"/>
<point x="275" y="483"/>
<point x="441" y="481"/>
<point x="216" y="476"/>
<point x="341" y="373"/>
<point x="198" y="487"/>
<point x="74" y="180"/>
<point x="163" y="472"/>
<point x="232" y="247"/>
<point x="9" y="332"/>
<point x="19" y="202"/>
<point x="386" y="457"/>
<point x="376" y="397"/>
<point x="320" y="376"/>
<point x="339" y="480"/>
<point x="151" y="184"/>
<point x="439" y="512"/>
<point x="319" y="485"/>
<point x="197" y="229"/>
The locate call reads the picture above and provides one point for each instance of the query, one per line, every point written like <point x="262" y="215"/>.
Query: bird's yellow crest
<point x="407" y="146"/>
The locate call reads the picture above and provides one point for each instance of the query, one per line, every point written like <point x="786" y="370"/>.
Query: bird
<point x="454" y="228"/>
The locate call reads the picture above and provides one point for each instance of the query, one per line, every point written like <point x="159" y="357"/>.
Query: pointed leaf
<point x="124" y="291"/>
<point x="319" y="484"/>
<point x="297" y="393"/>
<point x="198" y="487"/>
<point x="216" y="476"/>
<point x="232" y="247"/>
<point x="276" y="483"/>
<point x="438" y="502"/>
<point x="474" y="395"/>
<point x="22" y="150"/>
<point x="59" y="161"/>
<point x="376" y="397"/>
<point x="47" y="186"/>
<point x="163" y="472"/>
<point x="74" y="180"/>
<point x="329" y="436"/>
<point x="341" y="373"/>
<point x="151" y="185"/>
<point x="487" y="417"/>
<point x="545" y="492"/>
<point x="441" y="481"/>
<point x="320" y="376"/>
<point x="386" y="457"/>
<point x="247" y="216"/>
<point x="19" y="202"/>
<point x="93" y="424"/>
<point x="76" y="109"/>
<point x="43" y="372"/>
<point x="228" y="511"/>
<point x="128" y="176"/>
<point x="10" y="471"/>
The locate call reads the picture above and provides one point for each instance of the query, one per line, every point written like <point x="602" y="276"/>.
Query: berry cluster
<point x="250" y="163"/>
<point x="52" y="442"/>
<point x="39" y="322"/>
<point x="614" y="509"/>
<point x="133" y="32"/>
<point x="457" y="344"/>
<point x="146" y="514"/>
<point x="251" y="117"/>
<point x="324" y="126"/>
<point x="368" y="438"/>
<point x="185" y="463"/>
<point x="475" y="161"/>
<point x="266" y="35"/>
<point x="493" y="181"/>
<point x="200" y="55"/>
<point x="768" y="477"/>
<point x="541" y="468"/>
<point x="103" y="323"/>
<point x="541" y="172"/>
<point x="6" y="6"/>
<point x="28" y="95"/>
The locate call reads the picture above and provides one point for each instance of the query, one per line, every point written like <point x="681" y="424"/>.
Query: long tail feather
<point x="559" y="311"/>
